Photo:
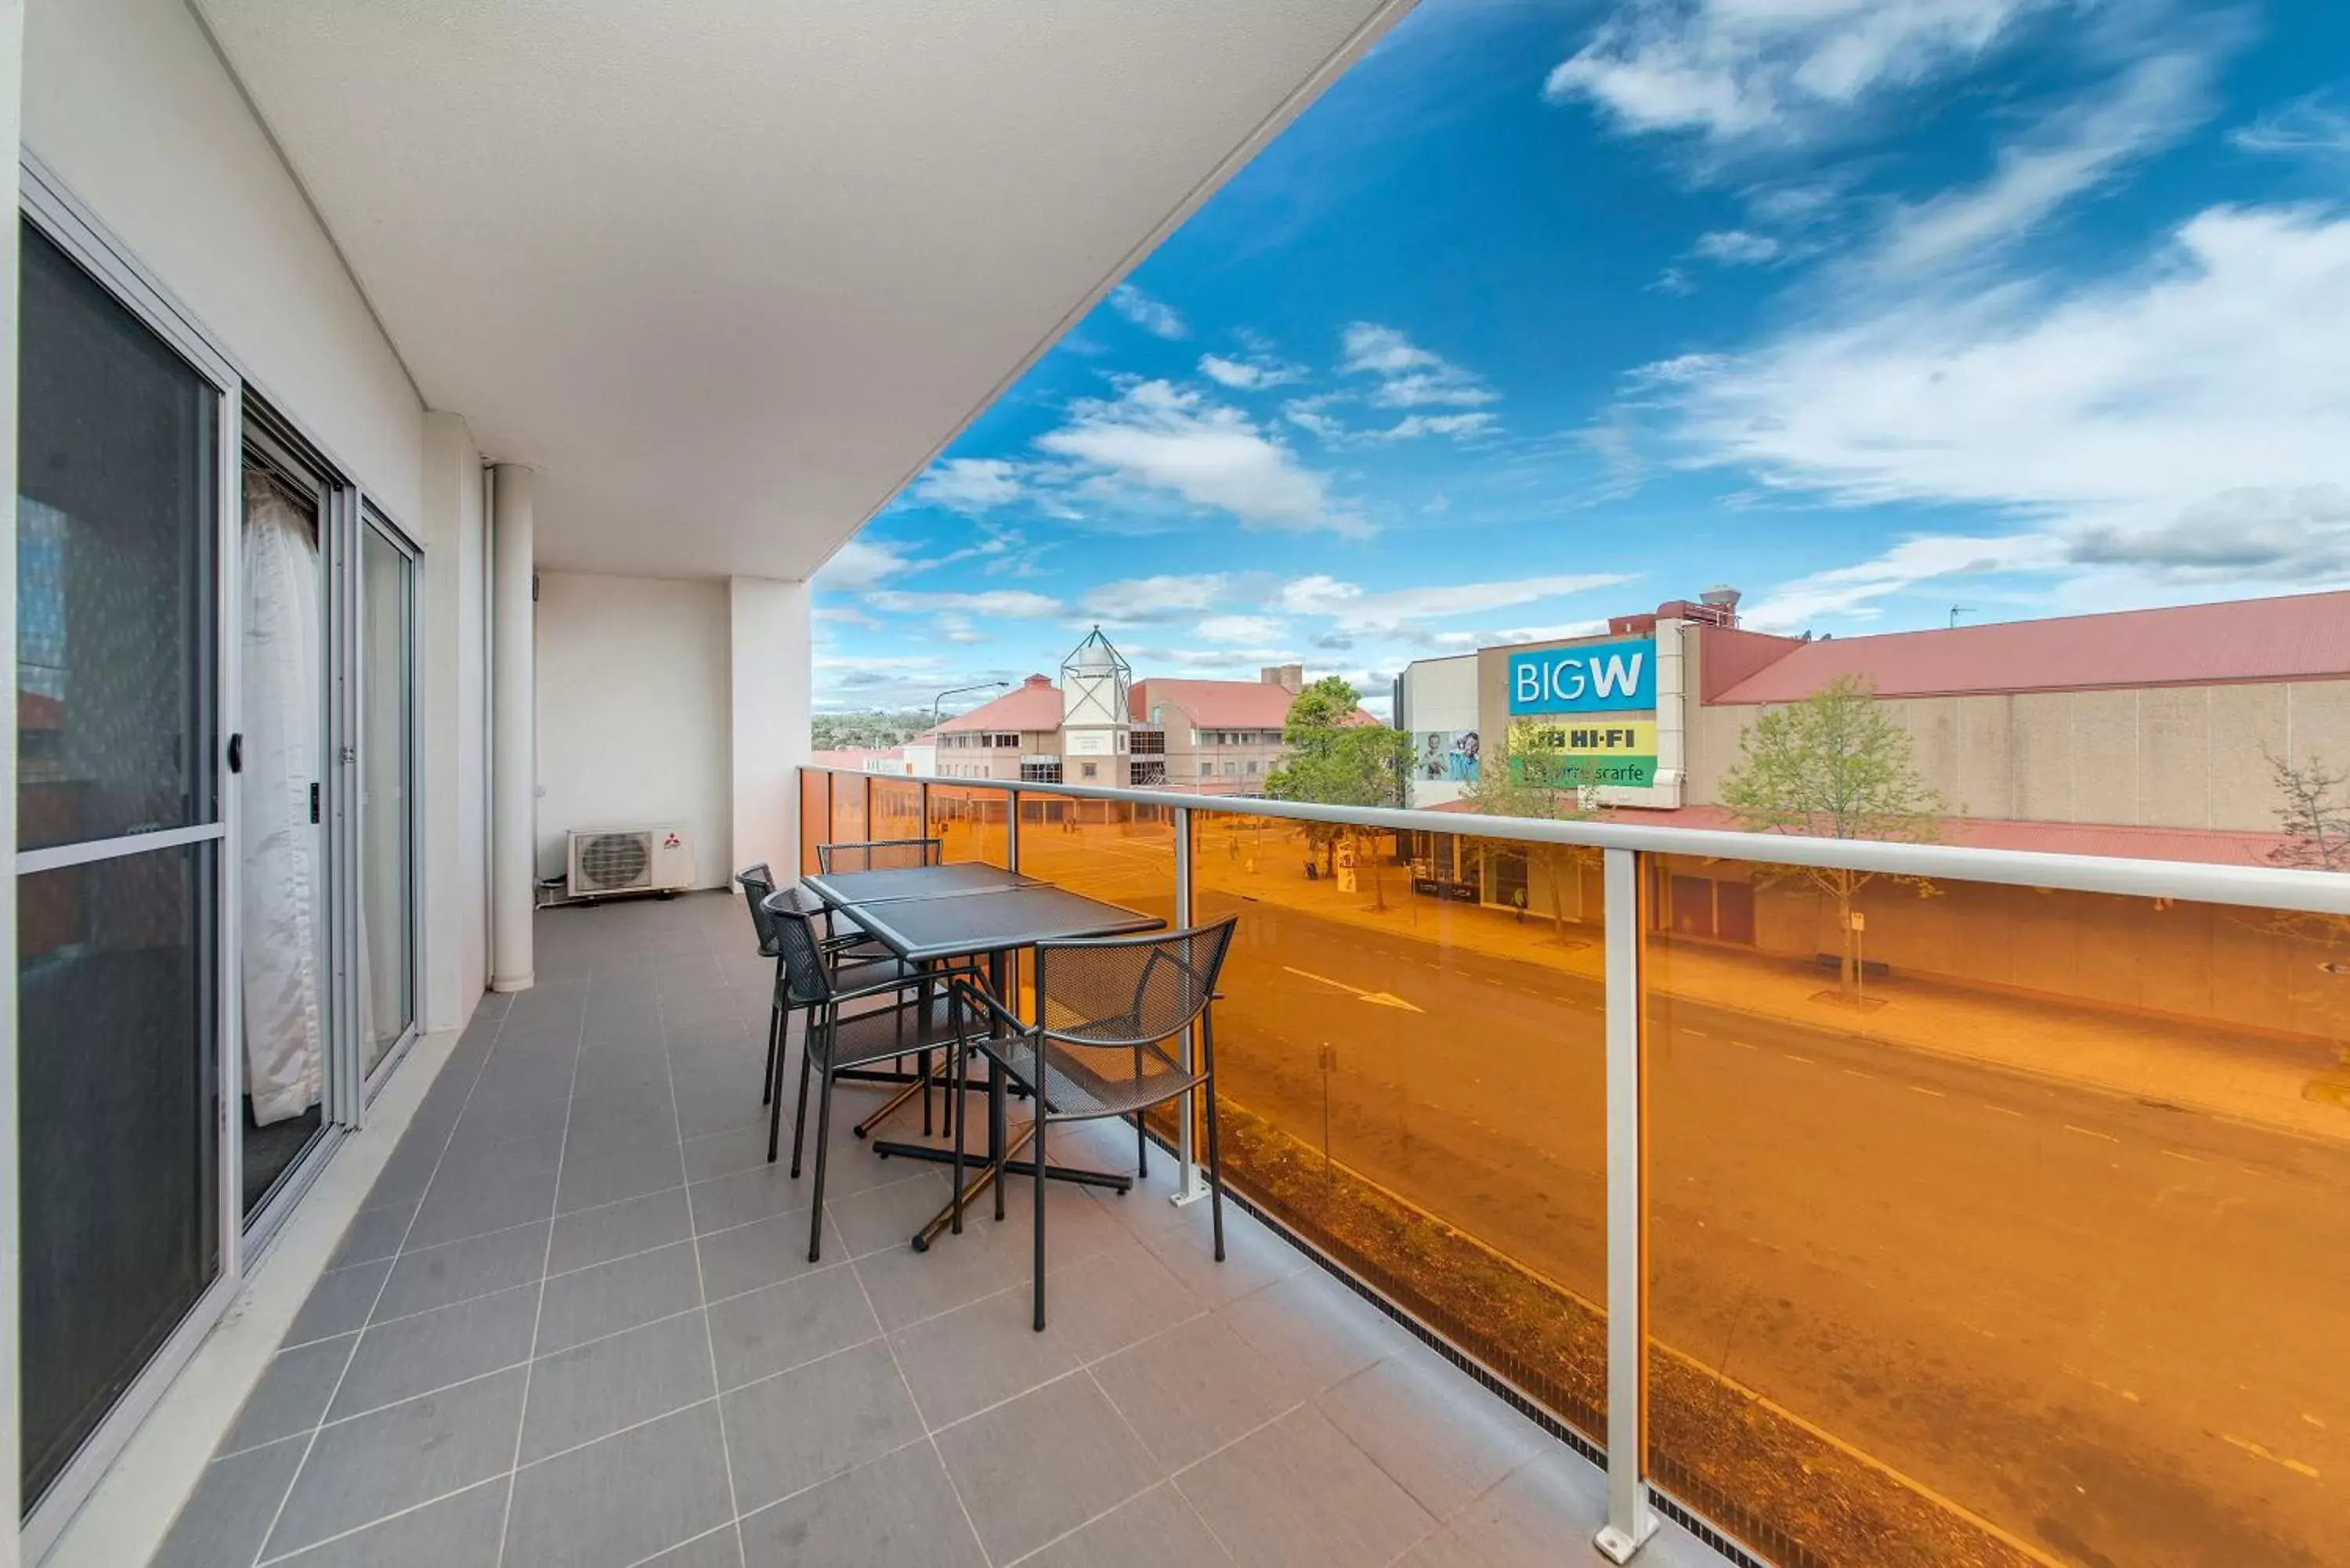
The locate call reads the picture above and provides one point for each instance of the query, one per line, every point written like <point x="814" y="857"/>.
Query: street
<point x="2105" y="1324"/>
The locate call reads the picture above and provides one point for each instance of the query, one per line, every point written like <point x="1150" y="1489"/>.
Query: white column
<point x="770" y="673"/>
<point x="451" y="686"/>
<point x="514" y="772"/>
<point x="1630" y="1521"/>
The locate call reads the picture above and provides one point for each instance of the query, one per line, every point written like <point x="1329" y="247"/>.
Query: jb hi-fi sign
<point x="1583" y="716"/>
<point x="1584" y="754"/>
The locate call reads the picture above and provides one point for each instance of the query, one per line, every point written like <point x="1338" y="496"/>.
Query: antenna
<point x="1957" y="610"/>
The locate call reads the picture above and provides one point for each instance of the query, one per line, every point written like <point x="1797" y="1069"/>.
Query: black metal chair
<point x="880" y="855"/>
<point x="1106" y="1010"/>
<point x="845" y="949"/>
<point x="839" y="1043"/>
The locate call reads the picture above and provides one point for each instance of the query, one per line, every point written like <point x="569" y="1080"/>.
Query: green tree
<point x="1339" y="755"/>
<point x="2314" y="816"/>
<point x="1835" y="765"/>
<point x="870" y="727"/>
<point x="1506" y="786"/>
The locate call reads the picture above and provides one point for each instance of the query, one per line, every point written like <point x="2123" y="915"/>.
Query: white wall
<point x="126" y="102"/>
<point x="771" y="654"/>
<point x="1439" y="694"/>
<point x="635" y="712"/>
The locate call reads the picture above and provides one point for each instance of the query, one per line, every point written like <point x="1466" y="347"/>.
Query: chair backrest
<point x="1130" y="990"/>
<point x="806" y="978"/>
<point x="880" y="855"/>
<point x="757" y="882"/>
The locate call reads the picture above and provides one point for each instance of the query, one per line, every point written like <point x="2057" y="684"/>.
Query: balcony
<point x="1955" y="1205"/>
<point x="576" y="1316"/>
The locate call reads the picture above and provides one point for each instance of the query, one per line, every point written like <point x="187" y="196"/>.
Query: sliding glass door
<point x="121" y="834"/>
<point x="387" y="794"/>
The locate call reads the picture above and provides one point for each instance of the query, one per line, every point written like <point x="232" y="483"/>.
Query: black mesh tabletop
<point x="925" y="929"/>
<point x="844" y="888"/>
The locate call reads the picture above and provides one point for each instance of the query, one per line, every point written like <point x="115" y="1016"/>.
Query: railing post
<point x="1631" y="1520"/>
<point x="923" y="826"/>
<point x="1012" y="830"/>
<point x="1189" y="1186"/>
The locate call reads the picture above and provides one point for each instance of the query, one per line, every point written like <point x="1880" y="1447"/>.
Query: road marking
<point x="2312" y="1420"/>
<point x="1376" y="998"/>
<point x="1922" y="1089"/>
<point x="1696" y="1033"/>
<point x="2188" y="1157"/>
<point x="2004" y="1110"/>
<point x="1791" y="1056"/>
<point x="2295" y="1466"/>
<point x="1856" y="1072"/>
<point x="1741" y="1045"/>
<point x="2086" y="1132"/>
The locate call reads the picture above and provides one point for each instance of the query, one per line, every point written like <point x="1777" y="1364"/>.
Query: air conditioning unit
<point x="608" y="860"/>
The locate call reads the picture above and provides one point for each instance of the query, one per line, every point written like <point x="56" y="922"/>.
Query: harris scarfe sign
<point x="1619" y="676"/>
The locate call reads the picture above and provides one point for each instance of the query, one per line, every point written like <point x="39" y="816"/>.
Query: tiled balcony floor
<point x="575" y="1325"/>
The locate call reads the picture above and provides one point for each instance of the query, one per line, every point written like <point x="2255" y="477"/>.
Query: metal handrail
<point x="2258" y="887"/>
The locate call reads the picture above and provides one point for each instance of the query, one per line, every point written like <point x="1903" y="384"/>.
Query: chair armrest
<point x="904" y="982"/>
<point x="968" y="992"/>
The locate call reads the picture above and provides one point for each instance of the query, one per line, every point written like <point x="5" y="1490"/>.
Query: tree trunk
<point x="1557" y="898"/>
<point x="1848" y="971"/>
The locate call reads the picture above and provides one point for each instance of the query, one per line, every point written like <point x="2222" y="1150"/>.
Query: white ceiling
<point x="729" y="272"/>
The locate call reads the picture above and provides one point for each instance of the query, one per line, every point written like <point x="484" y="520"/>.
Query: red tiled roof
<point x="1034" y="705"/>
<point x="2302" y="636"/>
<point x="1221" y="704"/>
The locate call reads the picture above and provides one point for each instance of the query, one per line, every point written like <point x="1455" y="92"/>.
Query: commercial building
<point x="1101" y="726"/>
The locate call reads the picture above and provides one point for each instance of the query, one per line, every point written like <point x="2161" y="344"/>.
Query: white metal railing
<point x="1631" y="1519"/>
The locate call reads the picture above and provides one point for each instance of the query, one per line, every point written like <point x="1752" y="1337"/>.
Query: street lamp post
<point x="958" y="690"/>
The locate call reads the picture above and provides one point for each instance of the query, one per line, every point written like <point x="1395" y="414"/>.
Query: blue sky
<point x="1550" y="311"/>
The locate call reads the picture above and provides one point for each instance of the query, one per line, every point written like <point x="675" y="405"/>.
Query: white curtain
<point x="284" y="660"/>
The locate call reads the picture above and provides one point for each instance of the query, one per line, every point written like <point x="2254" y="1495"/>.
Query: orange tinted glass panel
<point x="1409" y="1062"/>
<point x="1997" y="1225"/>
<point x="969" y="822"/>
<point x="816" y="816"/>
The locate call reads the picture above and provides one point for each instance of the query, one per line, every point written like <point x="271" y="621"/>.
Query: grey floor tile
<point x="292" y="1394"/>
<point x="750" y="1256"/>
<point x="1546" y="1511"/>
<point x="599" y="1235"/>
<point x="373" y="1233"/>
<point x="460" y="1531"/>
<point x="1319" y="1331"/>
<point x="1423" y="1421"/>
<point x="899" y="1511"/>
<point x="452" y="1212"/>
<point x="339" y="1301"/>
<point x="787" y="1324"/>
<point x="722" y="1154"/>
<point x="620" y="1294"/>
<point x="794" y="1431"/>
<point x="1157" y="1529"/>
<point x="1039" y="1466"/>
<point x="762" y="1193"/>
<point x="622" y="1499"/>
<point x="1109" y="1301"/>
<point x="961" y="1362"/>
<point x="887" y="1216"/>
<point x="589" y="1182"/>
<point x="711" y="1549"/>
<point x="1254" y="1258"/>
<point x="394" y="1458"/>
<point x="591" y="1390"/>
<point x="1298" y="1491"/>
<point x="1193" y="1388"/>
<point x="908" y="1286"/>
<point x="435" y="1276"/>
<point x="406" y="1356"/>
<point x="225" y="1517"/>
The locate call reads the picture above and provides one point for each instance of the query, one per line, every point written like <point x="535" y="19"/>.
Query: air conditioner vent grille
<point x="610" y="862"/>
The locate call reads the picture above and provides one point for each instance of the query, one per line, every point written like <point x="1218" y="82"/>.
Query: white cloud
<point x="1672" y="280"/>
<point x="1252" y="374"/>
<point x="1408" y="375"/>
<point x="2153" y="104"/>
<point x="1256" y="628"/>
<point x="862" y="563"/>
<point x="1735" y="247"/>
<point x="968" y="483"/>
<point x="1454" y="425"/>
<point x="1154" y="317"/>
<point x="2114" y="417"/>
<point x="956" y="627"/>
<point x="1166" y="597"/>
<point x="1155" y="437"/>
<point x="1354" y="609"/>
<point x="2305" y="128"/>
<point x="1311" y="414"/>
<point x="1738" y="71"/>
<point x="1000" y="604"/>
<point x="1851" y="592"/>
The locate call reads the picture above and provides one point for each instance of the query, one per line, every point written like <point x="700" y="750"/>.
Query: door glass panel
<point x="118" y="1007"/>
<point x="388" y="926"/>
<point x="116" y="439"/>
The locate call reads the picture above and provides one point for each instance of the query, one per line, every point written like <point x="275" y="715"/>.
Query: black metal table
<point x="992" y="923"/>
<point x="842" y="888"/>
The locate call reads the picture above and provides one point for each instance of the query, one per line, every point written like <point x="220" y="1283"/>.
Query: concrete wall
<point x="452" y="672"/>
<point x="2156" y="757"/>
<point x="770" y="656"/>
<point x="635" y="712"/>
<point x="1439" y="694"/>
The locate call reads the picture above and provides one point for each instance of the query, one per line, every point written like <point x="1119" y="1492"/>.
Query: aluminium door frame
<point x="411" y="555"/>
<point x="44" y="204"/>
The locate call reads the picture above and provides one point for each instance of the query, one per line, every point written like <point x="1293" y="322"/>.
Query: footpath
<point x="2303" y="1089"/>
